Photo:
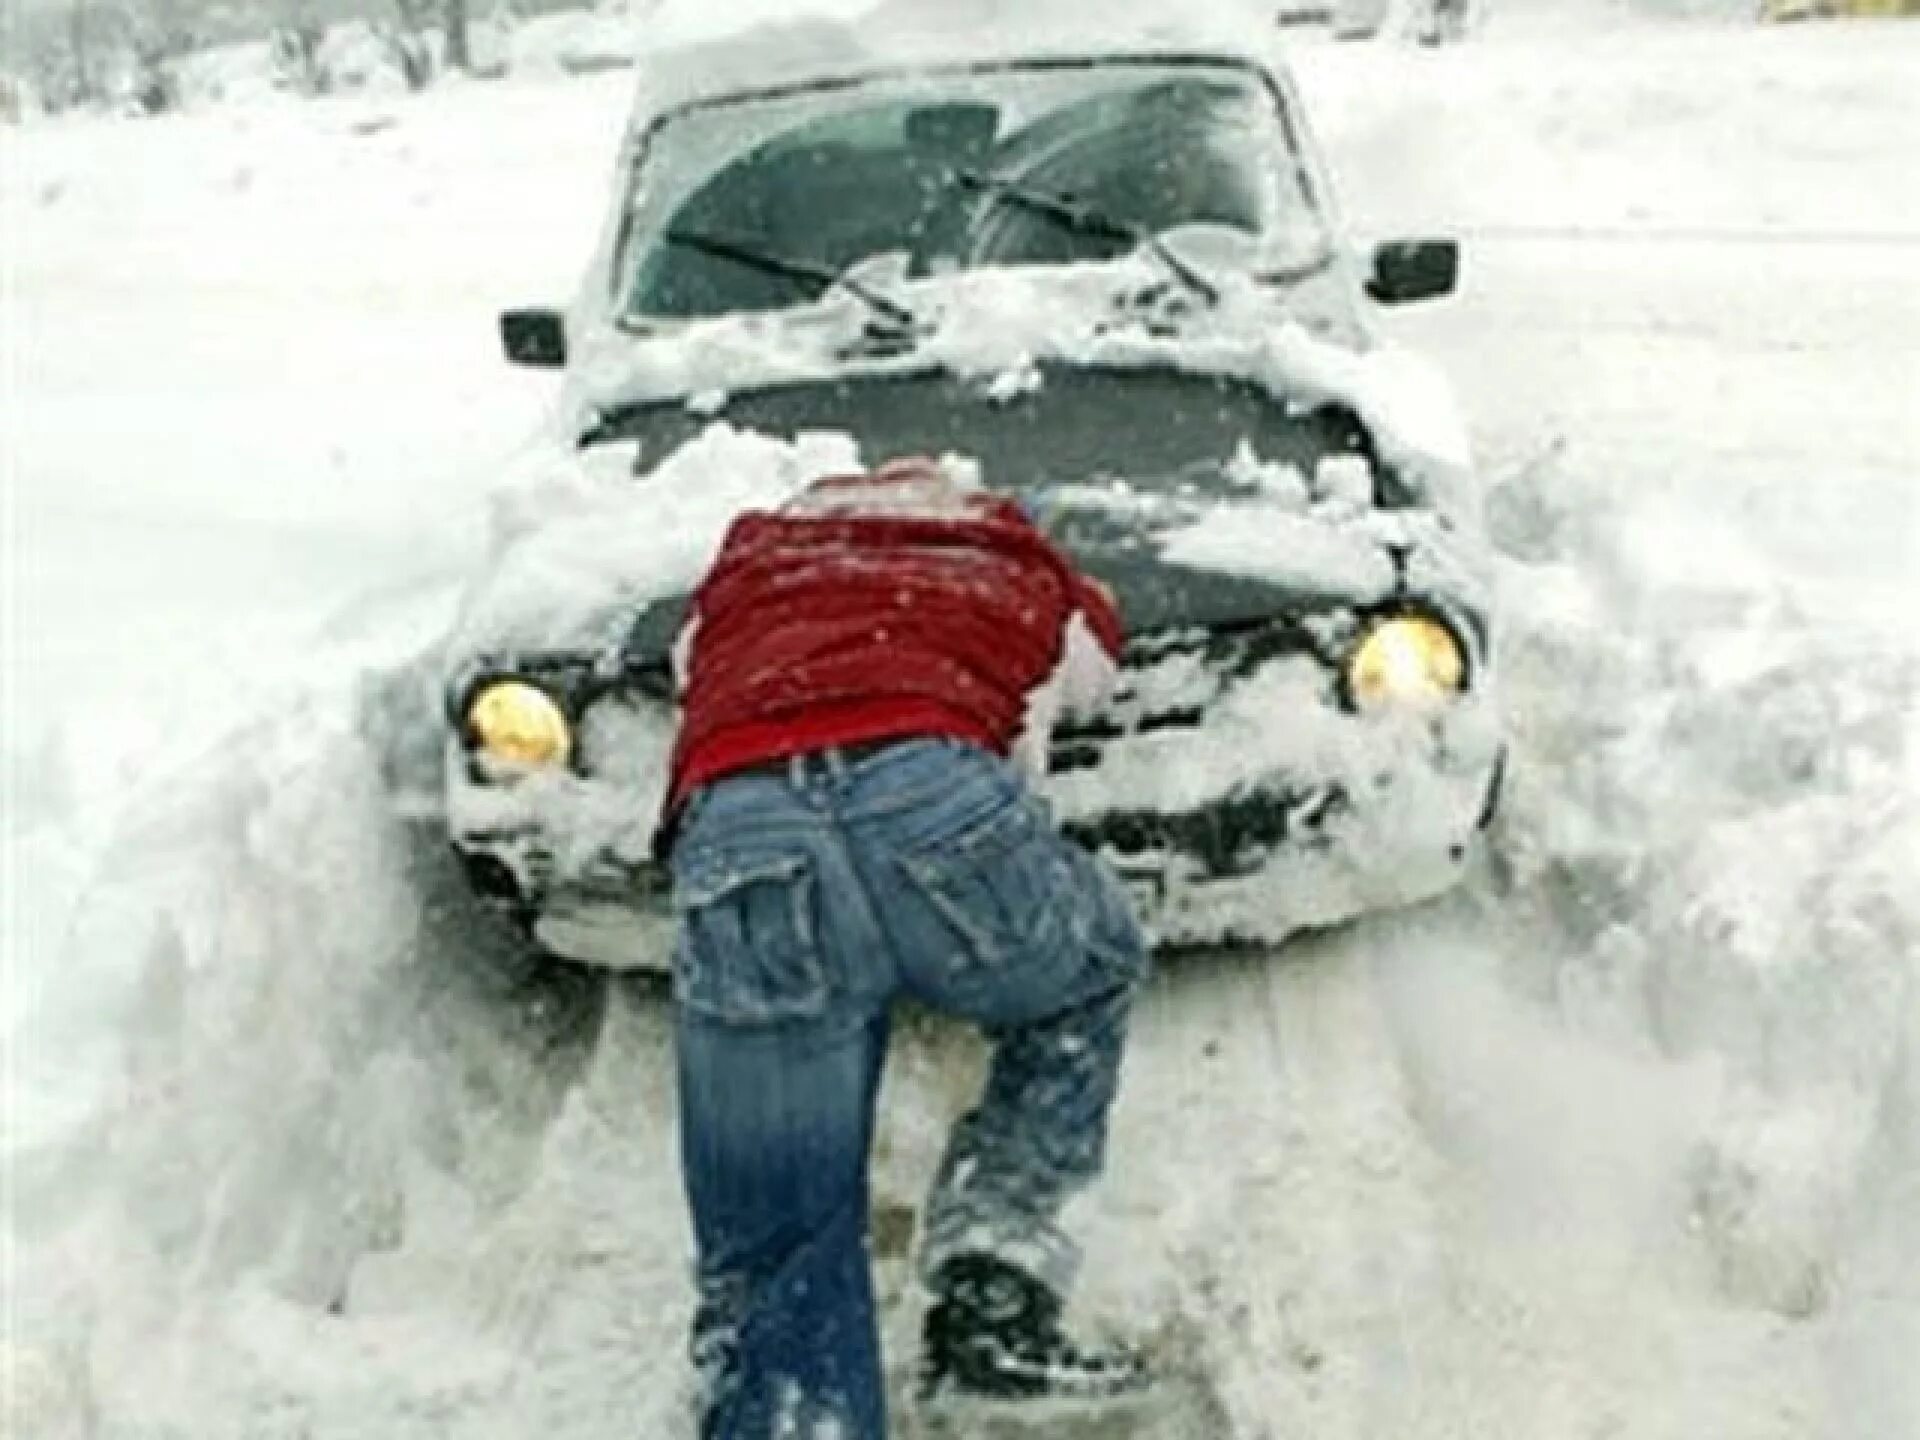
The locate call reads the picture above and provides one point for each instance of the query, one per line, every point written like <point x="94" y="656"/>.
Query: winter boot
<point x="993" y="1333"/>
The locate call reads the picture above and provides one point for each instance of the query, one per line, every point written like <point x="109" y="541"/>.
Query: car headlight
<point x="1411" y="660"/>
<point x="518" y="723"/>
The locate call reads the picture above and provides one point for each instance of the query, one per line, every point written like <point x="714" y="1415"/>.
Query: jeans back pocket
<point x="749" y="947"/>
<point x="1003" y="888"/>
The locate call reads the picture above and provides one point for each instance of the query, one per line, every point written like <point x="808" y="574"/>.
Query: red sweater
<point x="876" y="607"/>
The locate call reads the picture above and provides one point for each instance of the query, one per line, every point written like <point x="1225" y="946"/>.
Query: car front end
<point x="1173" y="374"/>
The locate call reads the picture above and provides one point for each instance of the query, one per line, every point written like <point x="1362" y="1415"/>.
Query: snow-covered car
<point x="1106" y="272"/>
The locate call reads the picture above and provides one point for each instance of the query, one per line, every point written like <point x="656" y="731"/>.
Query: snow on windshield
<point x="825" y="176"/>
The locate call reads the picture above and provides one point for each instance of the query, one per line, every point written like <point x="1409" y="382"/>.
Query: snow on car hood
<point x="998" y="325"/>
<point x="581" y="544"/>
<point x="583" y="547"/>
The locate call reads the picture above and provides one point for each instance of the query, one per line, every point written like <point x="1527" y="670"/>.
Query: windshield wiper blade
<point x="1087" y="220"/>
<point x="785" y="266"/>
<point x="1294" y="274"/>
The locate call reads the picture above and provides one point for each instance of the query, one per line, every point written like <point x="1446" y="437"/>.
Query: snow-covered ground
<point x="1622" y="1140"/>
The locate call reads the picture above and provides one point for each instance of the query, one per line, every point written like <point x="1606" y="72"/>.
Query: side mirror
<point x="1406" y="270"/>
<point x="534" y="337"/>
<point x="1358" y="19"/>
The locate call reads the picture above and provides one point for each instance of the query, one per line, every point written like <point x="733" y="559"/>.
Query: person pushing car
<point x="868" y="678"/>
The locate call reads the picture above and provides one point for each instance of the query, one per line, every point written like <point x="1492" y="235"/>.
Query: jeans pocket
<point x="749" y="948"/>
<point x="1003" y="888"/>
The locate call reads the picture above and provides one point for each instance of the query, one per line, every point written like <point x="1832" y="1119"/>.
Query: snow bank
<point x="1619" y="1140"/>
<point x="1647" y="130"/>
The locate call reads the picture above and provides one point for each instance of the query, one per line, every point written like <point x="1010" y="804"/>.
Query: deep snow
<point x="1621" y="1140"/>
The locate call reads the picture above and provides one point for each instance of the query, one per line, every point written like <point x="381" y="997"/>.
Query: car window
<point x="829" y="179"/>
<point x="827" y="192"/>
<point x="1157" y="157"/>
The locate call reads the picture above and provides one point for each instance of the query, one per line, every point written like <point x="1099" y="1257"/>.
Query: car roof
<point x="919" y="34"/>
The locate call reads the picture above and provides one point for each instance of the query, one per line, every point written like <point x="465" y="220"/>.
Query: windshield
<point x="733" y="203"/>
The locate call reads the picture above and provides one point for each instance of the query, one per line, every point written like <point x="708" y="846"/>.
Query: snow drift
<point x="1619" y="1140"/>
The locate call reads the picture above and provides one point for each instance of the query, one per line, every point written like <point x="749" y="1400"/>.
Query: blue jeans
<point x="809" y="900"/>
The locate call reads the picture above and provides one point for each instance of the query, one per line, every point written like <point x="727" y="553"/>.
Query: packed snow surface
<point x="1621" y="1139"/>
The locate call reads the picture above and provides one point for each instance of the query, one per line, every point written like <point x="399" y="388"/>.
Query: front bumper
<point x="1338" y="861"/>
<point x="1228" y="786"/>
<point x="1244" y="804"/>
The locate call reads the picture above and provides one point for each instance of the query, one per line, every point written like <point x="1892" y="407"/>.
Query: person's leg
<point x="1038" y="1134"/>
<point x="775" y="1129"/>
<point x="781" y="1035"/>
<point x="993" y="1255"/>
<point x="997" y="918"/>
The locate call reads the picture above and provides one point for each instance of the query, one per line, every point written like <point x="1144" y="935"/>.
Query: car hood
<point x="1174" y="573"/>
<point x="1204" y="500"/>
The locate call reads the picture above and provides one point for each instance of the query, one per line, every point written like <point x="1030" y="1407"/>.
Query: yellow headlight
<point x="519" y="723"/>
<point x="1408" y="660"/>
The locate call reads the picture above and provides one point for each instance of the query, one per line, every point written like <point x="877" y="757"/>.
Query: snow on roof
<point x="909" y="34"/>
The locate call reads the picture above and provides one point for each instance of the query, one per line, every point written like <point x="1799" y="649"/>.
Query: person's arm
<point x="682" y="652"/>
<point x="1095" y="599"/>
<point x="1082" y="678"/>
<point x="1090" y="647"/>
<point x="1092" y="630"/>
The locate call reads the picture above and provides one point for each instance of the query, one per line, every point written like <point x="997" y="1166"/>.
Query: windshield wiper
<point x="1086" y="220"/>
<point x="785" y="266"/>
<point x="1294" y="274"/>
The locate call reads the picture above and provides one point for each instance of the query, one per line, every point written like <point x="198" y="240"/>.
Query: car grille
<point x="1168" y="682"/>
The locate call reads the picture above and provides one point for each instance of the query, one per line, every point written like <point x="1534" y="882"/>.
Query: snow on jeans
<point x="810" y="896"/>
